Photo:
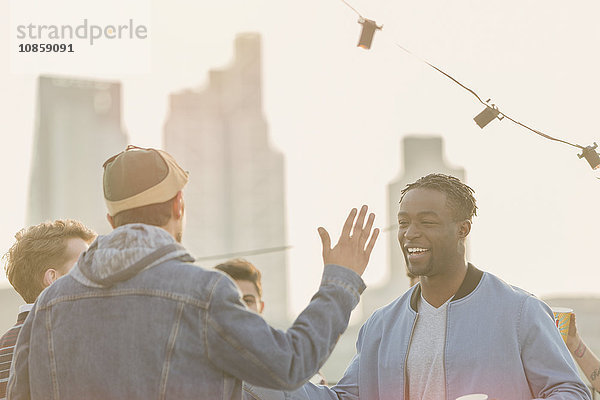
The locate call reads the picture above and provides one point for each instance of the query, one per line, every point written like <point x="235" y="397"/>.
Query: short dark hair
<point x="459" y="196"/>
<point x="38" y="248"/>
<point x="242" y="270"/>
<point x="152" y="214"/>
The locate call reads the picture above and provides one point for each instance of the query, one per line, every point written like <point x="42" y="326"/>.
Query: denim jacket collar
<point x="124" y="253"/>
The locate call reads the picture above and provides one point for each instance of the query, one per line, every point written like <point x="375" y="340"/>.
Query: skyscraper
<point x="235" y="199"/>
<point x="78" y="126"/>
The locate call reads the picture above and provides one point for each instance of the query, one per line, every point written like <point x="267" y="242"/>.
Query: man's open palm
<point x="350" y="250"/>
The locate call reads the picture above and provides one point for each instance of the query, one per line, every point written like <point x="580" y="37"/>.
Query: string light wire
<point x="504" y="115"/>
<point x="353" y="9"/>
<point x="447" y="75"/>
<point x="245" y="253"/>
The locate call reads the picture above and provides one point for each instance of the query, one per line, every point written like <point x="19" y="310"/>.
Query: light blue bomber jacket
<point x="500" y="340"/>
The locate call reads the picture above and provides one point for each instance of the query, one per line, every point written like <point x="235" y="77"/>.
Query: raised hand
<point x="350" y="250"/>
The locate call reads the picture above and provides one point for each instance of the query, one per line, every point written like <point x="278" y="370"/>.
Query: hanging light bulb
<point x="487" y="115"/>
<point x="368" y="31"/>
<point x="590" y="155"/>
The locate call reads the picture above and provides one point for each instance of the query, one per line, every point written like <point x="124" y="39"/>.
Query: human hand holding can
<point x="562" y="318"/>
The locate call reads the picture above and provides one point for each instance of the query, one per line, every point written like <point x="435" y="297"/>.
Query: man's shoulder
<point x="184" y="267"/>
<point x="493" y="282"/>
<point x="184" y="271"/>
<point x="494" y="290"/>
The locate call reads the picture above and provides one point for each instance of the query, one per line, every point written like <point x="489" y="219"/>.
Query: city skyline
<point x="339" y="113"/>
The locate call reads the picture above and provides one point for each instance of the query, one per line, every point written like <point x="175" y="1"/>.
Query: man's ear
<point x="464" y="229"/>
<point x="261" y="307"/>
<point x="109" y="218"/>
<point x="178" y="205"/>
<point x="49" y="277"/>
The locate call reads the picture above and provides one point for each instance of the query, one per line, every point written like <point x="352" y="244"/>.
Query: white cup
<point x="478" y="396"/>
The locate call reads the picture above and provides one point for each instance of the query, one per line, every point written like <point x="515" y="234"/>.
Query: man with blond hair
<point x="40" y="255"/>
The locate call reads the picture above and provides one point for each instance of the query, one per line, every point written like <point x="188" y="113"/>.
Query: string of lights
<point x="490" y="112"/>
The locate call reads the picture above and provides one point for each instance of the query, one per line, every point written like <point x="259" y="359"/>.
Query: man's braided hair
<point x="459" y="196"/>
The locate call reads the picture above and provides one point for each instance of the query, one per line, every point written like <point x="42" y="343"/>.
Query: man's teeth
<point x="413" y="250"/>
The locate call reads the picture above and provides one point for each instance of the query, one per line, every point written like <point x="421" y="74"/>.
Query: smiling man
<point x="460" y="330"/>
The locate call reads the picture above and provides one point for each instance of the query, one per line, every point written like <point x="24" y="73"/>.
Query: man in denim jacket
<point x="460" y="330"/>
<point x="135" y="319"/>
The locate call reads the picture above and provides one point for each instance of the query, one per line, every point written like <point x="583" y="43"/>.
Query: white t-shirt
<point x="425" y="365"/>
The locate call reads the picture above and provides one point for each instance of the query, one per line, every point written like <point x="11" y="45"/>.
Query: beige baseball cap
<point x="139" y="177"/>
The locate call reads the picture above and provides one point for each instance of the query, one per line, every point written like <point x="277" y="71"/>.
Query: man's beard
<point x="178" y="236"/>
<point x="425" y="270"/>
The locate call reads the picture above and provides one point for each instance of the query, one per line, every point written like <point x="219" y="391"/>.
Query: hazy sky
<point x="339" y="113"/>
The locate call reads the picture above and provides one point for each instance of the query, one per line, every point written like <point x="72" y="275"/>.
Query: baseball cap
<point x="139" y="177"/>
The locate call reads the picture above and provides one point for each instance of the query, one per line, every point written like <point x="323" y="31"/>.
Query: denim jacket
<point x="500" y="340"/>
<point x="134" y="319"/>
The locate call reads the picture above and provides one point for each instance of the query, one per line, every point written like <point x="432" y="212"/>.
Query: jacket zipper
<point x="406" y="358"/>
<point x="445" y="343"/>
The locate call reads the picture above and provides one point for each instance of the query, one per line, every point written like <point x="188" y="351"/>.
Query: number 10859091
<point x="45" y="48"/>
